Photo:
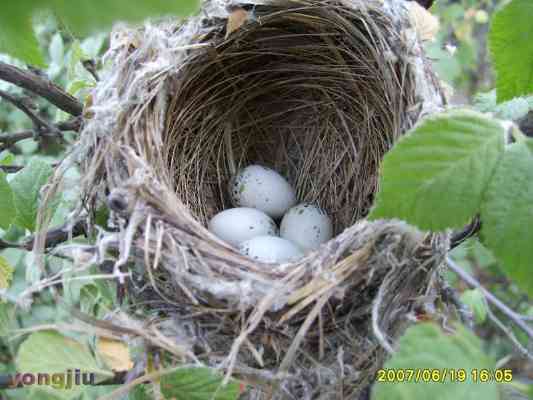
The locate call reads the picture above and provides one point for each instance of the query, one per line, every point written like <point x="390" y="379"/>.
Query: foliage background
<point x="465" y="25"/>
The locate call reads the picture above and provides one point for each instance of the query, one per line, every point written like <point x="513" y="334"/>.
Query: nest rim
<point x="188" y="269"/>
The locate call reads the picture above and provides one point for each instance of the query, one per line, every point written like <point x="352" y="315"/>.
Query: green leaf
<point x="75" y="86"/>
<point x="93" y="45"/>
<point x="97" y="392"/>
<point x="425" y="348"/>
<point x="6" y="158"/>
<point x="139" y="392"/>
<point x="101" y="216"/>
<point x="7" y="314"/>
<point x="6" y="273"/>
<point x="84" y="16"/>
<point x="529" y="143"/>
<point x="507" y="214"/>
<point x="475" y="300"/>
<point x="513" y="109"/>
<point x="484" y="258"/>
<point x="57" y="49"/>
<point x="52" y="353"/>
<point x="17" y="37"/>
<point x="198" y="384"/>
<point x="7" y="205"/>
<point x="37" y="393"/>
<point x="26" y="185"/>
<point x="511" y="49"/>
<point x="435" y="177"/>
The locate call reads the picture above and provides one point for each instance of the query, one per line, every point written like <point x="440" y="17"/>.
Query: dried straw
<point x="318" y="90"/>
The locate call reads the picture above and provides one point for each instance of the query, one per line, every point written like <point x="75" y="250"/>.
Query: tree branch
<point x="8" y="245"/>
<point x="39" y="123"/>
<point x="450" y="295"/>
<point x="8" y="140"/>
<point x="470" y="230"/>
<point x="42" y="87"/>
<point x="54" y="237"/>
<point x="10" y="169"/>
<point x="90" y="66"/>
<point x="58" y="235"/>
<point x="471" y="281"/>
<point x="509" y="333"/>
<point x="425" y="3"/>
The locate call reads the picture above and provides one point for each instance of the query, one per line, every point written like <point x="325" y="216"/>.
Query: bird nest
<point x="319" y="91"/>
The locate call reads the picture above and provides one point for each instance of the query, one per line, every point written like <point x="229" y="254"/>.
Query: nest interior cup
<point x="307" y="88"/>
<point x="318" y="90"/>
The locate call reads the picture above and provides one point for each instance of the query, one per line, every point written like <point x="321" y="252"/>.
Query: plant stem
<point x="42" y="87"/>
<point x="473" y="282"/>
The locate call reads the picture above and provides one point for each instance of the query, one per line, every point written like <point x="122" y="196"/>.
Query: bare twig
<point x="9" y="245"/>
<point x="10" y="169"/>
<point x="58" y="235"/>
<point x="9" y="139"/>
<point x="53" y="237"/>
<point x="471" y="281"/>
<point x="450" y="295"/>
<point x="42" y="87"/>
<point x="90" y="66"/>
<point x="124" y="389"/>
<point x="48" y="283"/>
<point x="509" y="333"/>
<point x="40" y="123"/>
<point x="425" y="3"/>
<point x="470" y="230"/>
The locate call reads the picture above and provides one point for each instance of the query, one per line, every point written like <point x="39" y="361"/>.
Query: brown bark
<point x="42" y="87"/>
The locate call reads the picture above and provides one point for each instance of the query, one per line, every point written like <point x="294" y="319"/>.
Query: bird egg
<point x="262" y="188"/>
<point x="237" y="225"/>
<point x="270" y="249"/>
<point x="306" y="225"/>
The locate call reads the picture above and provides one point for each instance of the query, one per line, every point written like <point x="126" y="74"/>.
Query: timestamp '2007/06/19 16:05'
<point x="393" y="375"/>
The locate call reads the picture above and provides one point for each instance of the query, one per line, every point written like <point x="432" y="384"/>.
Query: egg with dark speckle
<point x="307" y="225"/>
<point x="237" y="225"/>
<point x="270" y="249"/>
<point x="262" y="188"/>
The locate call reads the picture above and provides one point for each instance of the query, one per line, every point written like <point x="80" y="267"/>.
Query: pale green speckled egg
<point x="307" y="225"/>
<point x="237" y="225"/>
<point x="270" y="249"/>
<point x="262" y="188"/>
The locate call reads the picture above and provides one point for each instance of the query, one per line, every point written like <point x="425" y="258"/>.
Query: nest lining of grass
<point x="318" y="90"/>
